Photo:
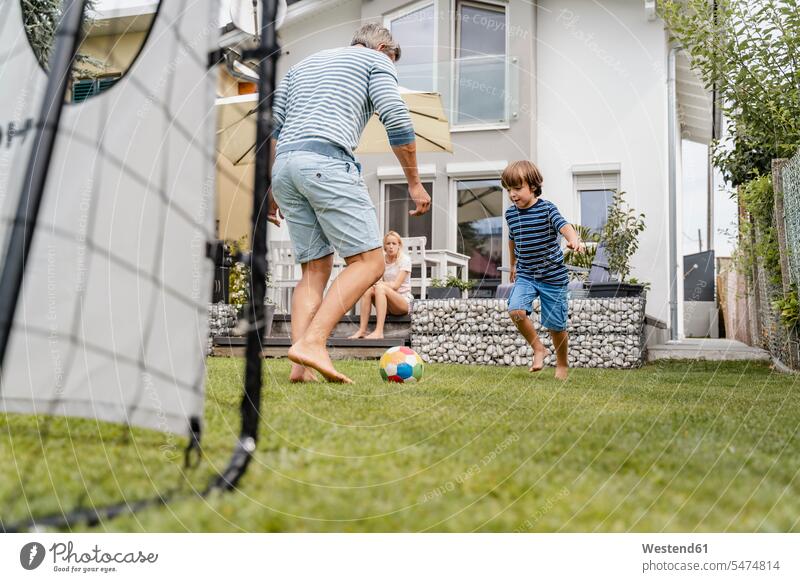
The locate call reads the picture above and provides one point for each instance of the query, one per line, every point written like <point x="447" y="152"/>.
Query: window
<point x="480" y="64"/>
<point x="480" y="230"/>
<point x="595" y="194"/>
<point x="415" y="30"/>
<point x="594" y="208"/>
<point x="82" y="89"/>
<point x="396" y="205"/>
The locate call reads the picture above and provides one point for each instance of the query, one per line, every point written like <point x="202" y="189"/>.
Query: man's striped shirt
<point x="329" y="97"/>
<point x="535" y="233"/>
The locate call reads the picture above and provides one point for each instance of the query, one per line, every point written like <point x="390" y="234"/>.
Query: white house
<point x="593" y="92"/>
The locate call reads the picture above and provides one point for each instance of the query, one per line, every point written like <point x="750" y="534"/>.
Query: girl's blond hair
<point x="401" y="253"/>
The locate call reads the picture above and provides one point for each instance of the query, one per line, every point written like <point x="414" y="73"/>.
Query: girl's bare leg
<point x="390" y="302"/>
<point x="366" y="309"/>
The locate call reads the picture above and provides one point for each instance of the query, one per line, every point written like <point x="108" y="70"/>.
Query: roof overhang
<point x="122" y="17"/>
<point x="695" y="102"/>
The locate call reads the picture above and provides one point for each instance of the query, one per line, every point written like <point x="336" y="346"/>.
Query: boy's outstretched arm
<point x="573" y="242"/>
<point x="513" y="258"/>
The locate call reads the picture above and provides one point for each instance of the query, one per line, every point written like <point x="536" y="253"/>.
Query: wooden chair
<point x="414" y="246"/>
<point x="286" y="274"/>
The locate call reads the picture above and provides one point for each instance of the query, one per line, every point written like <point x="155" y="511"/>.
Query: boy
<point x="537" y="263"/>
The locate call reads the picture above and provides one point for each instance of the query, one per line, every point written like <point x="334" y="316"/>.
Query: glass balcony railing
<point x="476" y="91"/>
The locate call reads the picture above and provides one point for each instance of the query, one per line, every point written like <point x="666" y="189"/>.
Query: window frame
<point x="413" y="7"/>
<point x="455" y="127"/>
<point x="596" y="180"/>
<point x="452" y="206"/>
<point x="382" y="218"/>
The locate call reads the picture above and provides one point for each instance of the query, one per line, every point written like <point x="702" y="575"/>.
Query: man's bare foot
<point x="318" y="359"/>
<point x="374" y="335"/>
<point x="561" y="372"/>
<point x="302" y="374"/>
<point x="358" y="335"/>
<point x="538" y="359"/>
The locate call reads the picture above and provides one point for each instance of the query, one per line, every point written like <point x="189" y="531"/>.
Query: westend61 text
<point x="670" y="549"/>
<point x="65" y="553"/>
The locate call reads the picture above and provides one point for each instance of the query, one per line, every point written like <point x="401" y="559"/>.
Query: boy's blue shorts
<point x="553" y="298"/>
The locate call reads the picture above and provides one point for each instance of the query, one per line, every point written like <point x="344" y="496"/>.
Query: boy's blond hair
<point x="522" y="172"/>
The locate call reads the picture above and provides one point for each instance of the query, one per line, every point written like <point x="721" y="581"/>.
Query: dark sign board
<point x="698" y="277"/>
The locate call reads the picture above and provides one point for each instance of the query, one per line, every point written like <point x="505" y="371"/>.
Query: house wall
<point x="591" y="89"/>
<point x="602" y="99"/>
<point x="331" y="27"/>
<point x="117" y="51"/>
<point x="234" y="200"/>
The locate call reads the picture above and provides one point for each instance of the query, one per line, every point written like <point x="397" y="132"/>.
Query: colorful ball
<point x="401" y="364"/>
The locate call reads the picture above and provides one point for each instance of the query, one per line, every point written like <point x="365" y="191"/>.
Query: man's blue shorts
<point x="554" y="301"/>
<point x="326" y="205"/>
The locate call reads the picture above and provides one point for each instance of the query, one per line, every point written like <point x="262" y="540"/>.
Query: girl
<point x="393" y="293"/>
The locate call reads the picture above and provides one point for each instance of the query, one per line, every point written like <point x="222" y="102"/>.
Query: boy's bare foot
<point x="358" y="335"/>
<point x="374" y="335"/>
<point x="317" y="358"/>
<point x="538" y="359"/>
<point x="562" y="372"/>
<point x="302" y="374"/>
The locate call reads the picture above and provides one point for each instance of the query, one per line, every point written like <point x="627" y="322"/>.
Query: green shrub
<point x="621" y="235"/>
<point x="788" y="308"/>
<point x="453" y="281"/>
<point x="584" y="259"/>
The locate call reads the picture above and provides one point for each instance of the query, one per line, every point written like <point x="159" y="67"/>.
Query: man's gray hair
<point x="373" y="35"/>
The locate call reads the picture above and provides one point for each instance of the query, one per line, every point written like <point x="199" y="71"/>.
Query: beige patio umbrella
<point x="236" y="128"/>
<point x="427" y="116"/>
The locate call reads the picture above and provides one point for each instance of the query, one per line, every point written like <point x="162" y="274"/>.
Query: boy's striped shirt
<point x="331" y="95"/>
<point x="535" y="232"/>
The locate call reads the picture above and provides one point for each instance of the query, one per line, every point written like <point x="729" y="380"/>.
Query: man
<point x="320" y="109"/>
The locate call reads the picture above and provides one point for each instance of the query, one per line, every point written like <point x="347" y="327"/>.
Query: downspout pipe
<point x="672" y="140"/>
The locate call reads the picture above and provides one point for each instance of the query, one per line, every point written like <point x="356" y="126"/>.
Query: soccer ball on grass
<point x="401" y="364"/>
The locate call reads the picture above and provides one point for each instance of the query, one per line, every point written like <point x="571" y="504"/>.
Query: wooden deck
<point x="397" y="332"/>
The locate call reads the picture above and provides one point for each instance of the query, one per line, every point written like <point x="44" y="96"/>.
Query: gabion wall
<point x="222" y="319"/>
<point x="603" y="333"/>
<point x="791" y="209"/>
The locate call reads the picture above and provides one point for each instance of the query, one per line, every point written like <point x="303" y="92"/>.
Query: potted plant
<point x="451" y="288"/>
<point x="579" y="264"/>
<point x="239" y="290"/>
<point x="620" y="241"/>
<point x="585" y="259"/>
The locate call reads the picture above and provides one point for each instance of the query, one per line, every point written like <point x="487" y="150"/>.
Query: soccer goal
<point x="107" y="229"/>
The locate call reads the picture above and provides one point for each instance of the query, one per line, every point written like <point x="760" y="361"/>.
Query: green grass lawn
<point x="668" y="447"/>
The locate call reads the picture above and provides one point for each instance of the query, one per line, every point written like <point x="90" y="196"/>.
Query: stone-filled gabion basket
<point x="603" y="333"/>
<point x="222" y="319"/>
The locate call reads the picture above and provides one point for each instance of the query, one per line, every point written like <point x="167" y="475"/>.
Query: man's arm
<point x="393" y="113"/>
<point x="406" y="154"/>
<point x="274" y="213"/>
